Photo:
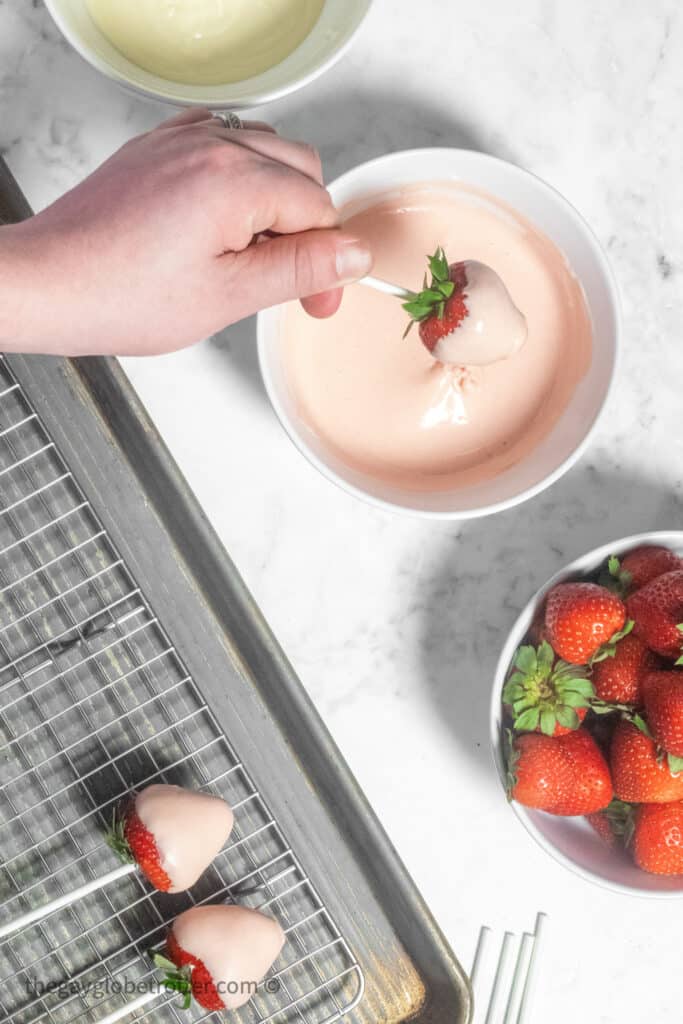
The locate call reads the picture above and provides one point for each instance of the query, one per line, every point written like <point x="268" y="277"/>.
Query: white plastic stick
<point x="529" y="985"/>
<point x="521" y="969"/>
<point x="387" y="288"/>
<point x="501" y="971"/>
<point x="479" y="953"/>
<point x="66" y="900"/>
<point x="132" y="1006"/>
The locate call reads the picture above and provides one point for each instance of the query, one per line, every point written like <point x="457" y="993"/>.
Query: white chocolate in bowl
<point x="189" y="829"/>
<point x="235" y="944"/>
<point x="205" y="42"/>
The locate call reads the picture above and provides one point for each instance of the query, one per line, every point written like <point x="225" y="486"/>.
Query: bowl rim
<point x="583" y="564"/>
<point x="174" y="94"/>
<point x="265" y="320"/>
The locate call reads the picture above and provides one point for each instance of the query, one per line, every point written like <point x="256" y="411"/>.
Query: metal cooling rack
<point x="95" y="702"/>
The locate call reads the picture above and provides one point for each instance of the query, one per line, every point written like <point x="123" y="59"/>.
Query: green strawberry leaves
<point x="640" y="724"/>
<point x="609" y="649"/>
<point x="176" y="979"/>
<point x="511" y="755"/>
<point x="679" y="627"/>
<point x="431" y="300"/>
<point x="115" y="837"/>
<point x="615" y="578"/>
<point x="438" y="264"/>
<point x="621" y="817"/>
<point x="543" y="692"/>
<point x="675" y="764"/>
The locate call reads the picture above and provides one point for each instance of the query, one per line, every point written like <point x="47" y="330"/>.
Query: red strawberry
<point x="129" y="838"/>
<point x="546" y="694"/>
<point x="618" y="679"/>
<point x="582" y="617"/>
<point x="642" y="565"/>
<point x="564" y="775"/>
<point x="639" y="773"/>
<point x="658" y="838"/>
<point x="601" y="824"/>
<point x="663" y="692"/>
<point x="440" y="307"/>
<point x="614" y="824"/>
<point x="657" y="609"/>
<point x="198" y="978"/>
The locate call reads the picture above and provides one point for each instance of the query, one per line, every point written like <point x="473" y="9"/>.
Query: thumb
<point x="297" y="266"/>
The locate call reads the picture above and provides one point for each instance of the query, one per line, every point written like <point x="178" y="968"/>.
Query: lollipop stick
<point x="387" y="288"/>
<point x="66" y="900"/>
<point x="135" y="1004"/>
<point x="530" y="984"/>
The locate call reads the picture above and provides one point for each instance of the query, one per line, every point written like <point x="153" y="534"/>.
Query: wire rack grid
<point x="96" y="702"/>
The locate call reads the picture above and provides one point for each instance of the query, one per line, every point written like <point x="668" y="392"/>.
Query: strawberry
<point x="440" y="307"/>
<point x="658" y="838"/>
<point x="134" y="843"/>
<point x="639" y="772"/>
<point x="642" y="565"/>
<point x="618" y="679"/>
<point x="160" y="829"/>
<point x="583" y="621"/>
<point x="663" y="692"/>
<point x="600" y="823"/>
<point x="657" y="609"/>
<point x="614" y="825"/>
<point x="210" y="950"/>
<point x="546" y="694"/>
<point x="565" y="775"/>
<point x="191" y="975"/>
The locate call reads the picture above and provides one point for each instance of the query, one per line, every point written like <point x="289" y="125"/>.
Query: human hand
<point x="184" y="230"/>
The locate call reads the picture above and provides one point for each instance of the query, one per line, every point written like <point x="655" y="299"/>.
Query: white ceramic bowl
<point x="545" y="208"/>
<point x="336" y="29"/>
<point x="571" y="841"/>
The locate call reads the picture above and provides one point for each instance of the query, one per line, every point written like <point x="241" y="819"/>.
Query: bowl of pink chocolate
<point x="497" y="389"/>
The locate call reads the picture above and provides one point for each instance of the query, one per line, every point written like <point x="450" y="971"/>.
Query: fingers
<point x="197" y="115"/>
<point x="287" y="202"/>
<point x="258" y="126"/>
<point x="297" y="155"/>
<point x="323" y="305"/>
<point x="190" y="116"/>
<point x="310" y="265"/>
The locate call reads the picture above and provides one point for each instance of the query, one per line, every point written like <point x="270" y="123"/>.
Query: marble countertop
<point x="394" y="625"/>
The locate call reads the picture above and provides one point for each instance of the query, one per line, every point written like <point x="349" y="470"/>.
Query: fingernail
<point x="354" y="260"/>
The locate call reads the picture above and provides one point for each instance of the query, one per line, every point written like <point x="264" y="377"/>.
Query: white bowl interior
<point x="338" y="23"/>
<point x="545" y="208"/>
<point x="571" y="840"/>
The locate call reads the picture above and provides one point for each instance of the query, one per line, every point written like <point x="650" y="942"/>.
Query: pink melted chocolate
<point x="383" y="405"/>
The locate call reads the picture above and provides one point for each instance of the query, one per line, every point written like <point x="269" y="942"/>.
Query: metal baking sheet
<point x="233" y="717"/>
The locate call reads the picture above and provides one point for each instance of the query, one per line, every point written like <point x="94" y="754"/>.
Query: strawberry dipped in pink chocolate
<point x="465" y="314"/>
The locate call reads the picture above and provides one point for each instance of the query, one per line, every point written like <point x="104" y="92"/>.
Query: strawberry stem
<point x="177" y="979"/>
<point x="431" y="300"/>
<point x="115" y="837"/>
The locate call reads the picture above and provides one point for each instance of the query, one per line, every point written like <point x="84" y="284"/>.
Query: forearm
<point x="23" y="298"/>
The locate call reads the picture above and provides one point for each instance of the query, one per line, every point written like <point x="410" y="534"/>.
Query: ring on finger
<point x="229" y="120"/>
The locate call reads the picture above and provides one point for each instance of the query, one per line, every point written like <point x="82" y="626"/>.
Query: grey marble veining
<point x="395" y="625"/>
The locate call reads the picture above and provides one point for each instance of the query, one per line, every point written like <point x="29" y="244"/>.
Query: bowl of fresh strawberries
<point x="587" y="716"/>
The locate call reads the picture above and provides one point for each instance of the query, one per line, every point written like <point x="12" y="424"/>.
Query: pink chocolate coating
<point x="189" y="829"/>
<point x="235" y="944"/>
<point x="382" y="404"/>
